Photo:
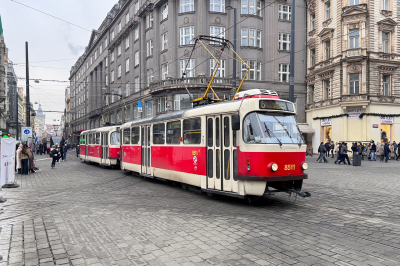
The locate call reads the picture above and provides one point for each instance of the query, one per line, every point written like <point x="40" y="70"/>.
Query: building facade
<point x="3" y="87"/>
<point x="40" y="123"/>
<point x="353" y="81"/>
<point x="142" y="47"/>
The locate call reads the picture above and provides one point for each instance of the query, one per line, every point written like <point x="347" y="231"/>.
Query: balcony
<point x="2" y="95"/>
<point x="196" y="82"/>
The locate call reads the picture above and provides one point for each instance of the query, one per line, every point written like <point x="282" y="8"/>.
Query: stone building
<point x="353" y="70"/>
<point x="142" y="47"/>
<point x="40" y="123"/>
<point x="3" y="87"/>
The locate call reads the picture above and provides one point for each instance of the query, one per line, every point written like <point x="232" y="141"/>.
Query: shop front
<point x="326" y="130"/>
<point x="386" y="128"/>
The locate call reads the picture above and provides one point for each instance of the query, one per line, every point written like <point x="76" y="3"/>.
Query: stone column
<point x="344" y="123"/>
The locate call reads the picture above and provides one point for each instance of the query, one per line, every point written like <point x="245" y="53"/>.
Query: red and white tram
<point x="247" y="147"/>
<point x="101" y="145"/>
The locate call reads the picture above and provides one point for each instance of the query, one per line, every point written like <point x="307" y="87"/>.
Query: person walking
<point x="382" y="151"/>
<point x="24" y="155"/>
<point x="78" y="150"/>
<point x="327" y="147"/>
<point x="339" y="153"/>
<point x="332" y="149"/>
<point x="322" y="152"/>
<point x="369" y="151"/>
<point x="360" y="150"/>
<point x="373" y="151"/>
<point x="65" y="152"/>
<point x="344" y="154"/>
<point x="19" y="159"/>
<point x="395" y="146"/>
<point x="31" y="160"/>
<point x="54" y="155"/>
<point x="398" y="154"/>
<point x="41" y="148"/>
<point x="386" y="151"/>
<point x="391" y="148"/>
<point x="336" y="149"/>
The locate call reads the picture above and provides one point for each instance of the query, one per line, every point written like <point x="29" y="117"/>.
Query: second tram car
<point x="248" y="147"/>
<point x="101" y="145"/>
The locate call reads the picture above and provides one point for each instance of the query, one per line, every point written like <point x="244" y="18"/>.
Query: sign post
<point x="26" y="133"/>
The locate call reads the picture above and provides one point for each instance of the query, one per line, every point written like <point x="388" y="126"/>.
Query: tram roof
<point x="100" y="129"/>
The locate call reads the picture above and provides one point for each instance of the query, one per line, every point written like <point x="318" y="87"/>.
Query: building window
<point x="354" y="83"/>
<point x="251" y="37"/>
<point x="327" y="89"/>
<point x="254" y="73"/>
<point x="106" y="79"/>
<point x="136" y="34"/>
<point x="127" y="43"/>
<point x="327" y="10"/>
<point x="127" y="89"/>
<point x="189" y="68"/>
<point x="136" y="7"/>
<point x="106" y="63"/>
<point x="327" y="50"/>
<point x="112" y="35"/>
<point x="137" y="84"/>
<point x="119" y="50"/>
<point x="164" y="69"/>
<point x="149" y="109"/>
<point x="112" y="76"/>
<point x="285" y="12"/>
<point x="136" y="58"/>
<point x="127" y="18"/>
<point x="284" y="72"/>
<point x="217" y="32"/>
<point x="101" y="48"/>
<point x="312" y="57"/>
<point x="149" y="48"/>
<point x="385" y="4"/>
<point x="162" y="104"/>
<point x="127" y="65"/>
<point x="385" y="42"/>
<point x="149" y="21"/>
<point x="150" y="76"/>
<point x="164" y="41"/>
<point x="187" y="34"/>
<point x="95" y="55"/>
<point x="354" y="2"/>
<point x="106" y="42"/>
<point x="245" y="37"/>
<point x="186" y="5"/>
<point x="221" y="70"/>
<point x="182" y="101"/>
<point x="385" y="85"/>
<point x="119" y="71"/>
<point x="312" y="21"/>
<point x="119" y="26"/>
<point x="312" y="94"/>
<point x="354" y="38"/>
<point x="251" y="7"/>
<point x="284" y="42"/>
<point x="258" y="44"/>
<point x="164" y="11"/>
<point x="128" y="114"/>
<point x="136" y="114"/>
<point x="112" y="56"/>
<point x="217" y="5"/>
<point x="91" y="60"/>
<point x="259" y="71"/>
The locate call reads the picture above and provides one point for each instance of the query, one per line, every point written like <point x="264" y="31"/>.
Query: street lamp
<point x="234" y="46"/>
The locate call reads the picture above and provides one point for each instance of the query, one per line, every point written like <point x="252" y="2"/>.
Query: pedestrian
<point x="336" y="149"/>
<point x="339" y="154"/>
<point x="395" y="146"/>
<point x="398" y="154"/>
<point x="31" y="160"/>
<point x="327" y="147"/>
<point x="354" y="148"/>
<point x="391" y="148"/>
<point x="33" y="148"/>
<point x="54" y="155"/>
<point x="65" y="152"/>
<point x="382" y="151"/>
<point x="332" y="148"/>
<point x="41" y="148"/>
<point x="77" y="150"/>
<point x="18" y="159"/>
<point x="360" y="150"/>
<point x="373" y="151"/>
<point x="369" y="151"/>
<point x="322" y="152"/>
<point x="344" y="154"/>
<point x="386" y="150"/>
<point x="61" y="149"/>
<point x="24" y="155"/>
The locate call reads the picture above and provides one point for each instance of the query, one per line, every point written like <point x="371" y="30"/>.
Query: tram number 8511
<point x="290" y="167"/>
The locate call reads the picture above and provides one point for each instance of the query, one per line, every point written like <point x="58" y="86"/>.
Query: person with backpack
<point x="55" y="156"/>
<point x="344" y="154"/>
<point x="322" y="151"/>
<point x="373" y="151"/>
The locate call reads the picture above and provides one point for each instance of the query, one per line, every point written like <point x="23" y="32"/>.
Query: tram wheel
<point x="252" y="199"/>
<point x="210" y="194"/>
<point x="184" y="186"/>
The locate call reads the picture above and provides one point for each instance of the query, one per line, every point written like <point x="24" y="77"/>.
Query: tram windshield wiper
<point x="269" y="132"/>
<point x="284" y="128"/>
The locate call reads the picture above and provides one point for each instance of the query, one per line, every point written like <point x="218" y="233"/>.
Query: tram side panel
<point x="132" y="157"/>
<point x="94" y="153"/>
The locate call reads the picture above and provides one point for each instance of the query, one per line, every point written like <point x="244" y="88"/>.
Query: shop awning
<point x="305" y="128"/>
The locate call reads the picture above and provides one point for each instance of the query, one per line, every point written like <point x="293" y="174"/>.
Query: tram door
<point x="146" y="151"/>
<point x="88" y="137"/>
<point x="229" y="162"/>
<point x="104" y="147"/>
<point x="214" y="180"/>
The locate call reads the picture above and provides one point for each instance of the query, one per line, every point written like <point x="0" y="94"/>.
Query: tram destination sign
<point x="276" y="105"/>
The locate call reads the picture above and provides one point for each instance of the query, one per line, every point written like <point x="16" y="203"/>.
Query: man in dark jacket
<point x="55" y="155"/>
<point x="373" y="151"/>
<point x="386" y="150"/>
<point x="41" y="148"/>
<point x="77" y="150"/>
<point x="344" y="154"/>
<point x="327" y="148"/>
<point x="339" y="153"/>
<point x="322" y="151"/>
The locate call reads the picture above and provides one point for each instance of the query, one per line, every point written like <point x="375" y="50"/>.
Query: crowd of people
<point x="387" y="150"/>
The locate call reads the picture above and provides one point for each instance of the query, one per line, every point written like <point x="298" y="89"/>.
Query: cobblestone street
<point x="81" y="214"/>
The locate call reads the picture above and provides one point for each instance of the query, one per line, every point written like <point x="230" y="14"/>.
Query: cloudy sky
<point x="54" y="45"/>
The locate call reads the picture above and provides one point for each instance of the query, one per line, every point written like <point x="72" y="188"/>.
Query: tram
<point x="101" y="145"/>
<point x="251" y="146"/>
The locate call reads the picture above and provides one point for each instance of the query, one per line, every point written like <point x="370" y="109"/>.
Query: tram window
<point x="217" y="132"/>
<point x="234" y="165"/>
<point x="192" y="131"/>
<point x="226" y="131"/>
<point x="135" y="137"/>
<point x="159" y="133"/>
<point x="234" y="138"/>
<point x="174" y="132"/>
<point x="227" y="165"/>
<point x="97" y="138"/>
<point x="210" y="160"/>
<point x="210" y="132"/>
<point x="142" y="136"/>
<point x="127" y="136"/>
<point x="90" y="138"/>
<point x="217" y="163"/>
<point x="114" y="138"/>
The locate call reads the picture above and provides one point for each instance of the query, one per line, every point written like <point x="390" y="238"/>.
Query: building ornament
<point x="387" y="56"/>
<point x="326" y="34"/>
<point x="354" y="68"/>
<point x="311" y="33"/>
<point x="311" y="43"/>
<point x="357" y="13"/>
<point x="311" y="80"/>
<point x="386" y="99"/>
<point x="386" y="13"/>
<point x="326" y="22"/>
<point x="326" y="75"/>
<point x="387" y="24"/>
<point x="354" y="98"/>
<point x="387" y="69"/>
<point x="311" y="6"/>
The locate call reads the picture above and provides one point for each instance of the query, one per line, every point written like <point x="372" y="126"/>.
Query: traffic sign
<point x="139" y="106"/>
<point x="26" y="133"/>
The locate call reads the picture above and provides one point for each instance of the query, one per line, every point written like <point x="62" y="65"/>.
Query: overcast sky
<point x="49" y="40"/>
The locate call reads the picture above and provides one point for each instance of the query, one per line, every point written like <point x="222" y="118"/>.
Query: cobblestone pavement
<point x="81" y="214"/>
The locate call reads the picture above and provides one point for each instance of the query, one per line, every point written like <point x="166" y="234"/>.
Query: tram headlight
<point x="274" y="167"/>
<point x="304" y="166"/>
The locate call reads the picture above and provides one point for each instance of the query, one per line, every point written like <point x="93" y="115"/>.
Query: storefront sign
<point x="326" y="122"/>
<point x="386" y="119"/>
<point x="354" y="113"/>
<point x="375" y="126"/>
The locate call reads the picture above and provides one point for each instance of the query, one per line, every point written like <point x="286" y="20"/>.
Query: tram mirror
<point x="235" y="122"/>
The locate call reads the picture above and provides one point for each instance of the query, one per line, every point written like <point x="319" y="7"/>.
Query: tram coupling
<point x="304" y="194"/>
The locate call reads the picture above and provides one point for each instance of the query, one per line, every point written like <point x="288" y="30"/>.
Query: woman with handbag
<point x="24" y="155"/>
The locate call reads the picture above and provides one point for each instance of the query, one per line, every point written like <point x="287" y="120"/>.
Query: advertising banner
<point x="354" y="113"/>
<point x="7" y="161"/>
<point x="326" y="122"/>
<point x="387" y="119"/>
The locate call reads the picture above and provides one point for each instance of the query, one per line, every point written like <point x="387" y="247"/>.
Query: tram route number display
<point x="276" y="105"/>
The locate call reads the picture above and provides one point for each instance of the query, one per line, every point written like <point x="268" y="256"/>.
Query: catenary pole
<point x="292" y="45"/>
<point x="28" y="103"/>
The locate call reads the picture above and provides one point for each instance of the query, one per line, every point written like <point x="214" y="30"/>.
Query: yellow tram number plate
<point x="289" y="167"/>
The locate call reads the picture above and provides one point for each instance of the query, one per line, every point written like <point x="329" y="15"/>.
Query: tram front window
<point x="263" y="128"/>
<point x="114" y="138"/>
